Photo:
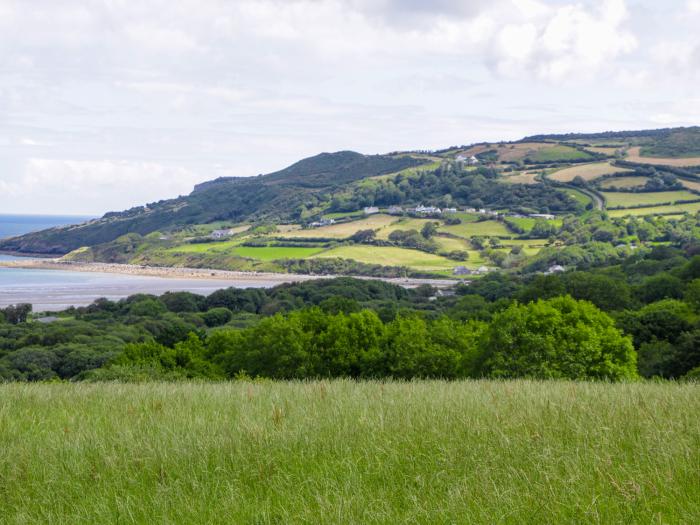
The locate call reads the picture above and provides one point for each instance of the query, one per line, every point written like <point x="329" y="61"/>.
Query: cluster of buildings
<point x="463" y="270"/>
<point x="322" y="222"/>
<point x="222" y="234"/>
<point x="471" y="160"/>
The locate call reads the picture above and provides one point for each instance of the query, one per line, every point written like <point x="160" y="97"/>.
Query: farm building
<point x="462" y="270"/>
<point x="395" y="210"/>
<point x="369" y="210"/>
<point x="221" y="234"/>
<point x="322" y="222"/>
<point x="556" y="268"/>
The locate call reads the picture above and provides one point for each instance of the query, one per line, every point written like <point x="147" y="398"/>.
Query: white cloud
<point x="563" y="42"/>
<point x="73" y="186"/>
<point x="693" y="6"/>
<point x="173" y="92"/>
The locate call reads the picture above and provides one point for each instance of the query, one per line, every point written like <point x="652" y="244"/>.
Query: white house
<point x="369" y="210"/>
<point x="322" y="222"/>
<point x="428" y="210"/>
<point x="461" y="270"/>
<point x="555" y="269"/>
<point x="547" y="216"/>
<point x="395" y="210"/>
<point x="221" y="234"/>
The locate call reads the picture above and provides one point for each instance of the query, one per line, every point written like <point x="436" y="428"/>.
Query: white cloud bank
<point x="135" y="101"/>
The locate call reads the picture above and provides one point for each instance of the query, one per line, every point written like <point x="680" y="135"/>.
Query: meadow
<point x="625" y="200"/>
<point x="272" y="253"/>
<point x="634" y="155"/>
<point x="350" y="452"/>
<point x="624" y="182"/>
<point x="390" y="256"/>
<point x="344" y="230"/>
<point x="470" y="229"/>
<point x="690" y="207"/>
<point x="587" y="172"/>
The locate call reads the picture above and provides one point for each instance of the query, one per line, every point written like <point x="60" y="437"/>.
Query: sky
<point x="109" y="104"/>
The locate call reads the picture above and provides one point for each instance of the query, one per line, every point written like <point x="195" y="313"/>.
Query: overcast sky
<point x="107" y="104"/>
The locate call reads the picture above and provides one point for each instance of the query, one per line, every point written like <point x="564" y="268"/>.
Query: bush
<point x="556" y="338"/>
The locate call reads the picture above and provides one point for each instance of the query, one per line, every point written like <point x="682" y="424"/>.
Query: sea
<point x="53" y="290"/>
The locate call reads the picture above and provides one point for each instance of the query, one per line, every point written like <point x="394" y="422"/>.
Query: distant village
<point x="428" y="211"/>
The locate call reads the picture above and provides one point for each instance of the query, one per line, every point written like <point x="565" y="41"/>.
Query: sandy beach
<point x="196" y="273"/>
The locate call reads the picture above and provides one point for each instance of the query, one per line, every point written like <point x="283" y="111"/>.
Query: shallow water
<point x="51" y="290"/>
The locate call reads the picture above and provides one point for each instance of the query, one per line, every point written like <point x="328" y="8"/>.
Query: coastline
<point x="199" y="273"/>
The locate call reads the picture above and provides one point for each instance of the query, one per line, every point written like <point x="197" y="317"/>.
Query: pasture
<point x="527" y="223"/>
<point x="690" y="184"/>
<point x="618" y="199"/>
<point x="345" y="229"/>
<point x="524" y="177"/>
<point x="603" y="150"/>
<point x="350" y="452"/>
<point x="402" y="224"/>
<point x="537" y="152"/>
<point x="391" y="256"/>
<point x="578" y="196"/>
<point x="272" y="253"/>
<point x="689" y="207"/>
<point x="624" y="182"/>
<point x="482" y="228"/>
<point x="634" y="155"/>
<point x="587" y="172"/>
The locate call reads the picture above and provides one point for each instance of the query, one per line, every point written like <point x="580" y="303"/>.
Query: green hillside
<point x="310" y="216"/>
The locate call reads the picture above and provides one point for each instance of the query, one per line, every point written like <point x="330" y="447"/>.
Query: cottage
<point x="369" y="210"/>
<point x="483" y="269"/>
<point x="322" y="222"/>
<point x="221" y="234"/>
<point x="472" y="160"/>
<point x="461" y="270"/>
<point x="427" y="210"/>
<point x="554" y="269"/>
<point x="395" y="210"/>
<point x="547" y="216"/>
<point x="449" y="210"/>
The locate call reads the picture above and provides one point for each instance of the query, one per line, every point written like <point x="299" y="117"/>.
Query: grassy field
<point x="524" y="177"/>
<point x="470" y="229"/>
<point x="557" y="152"/>
<point x="633" y="155"/>
<point x="527" y="223"/>
<point x="691" y="207"/>
<point x="624" y="200"/>
<point x="344" y="230"/>
<point x="690" y="184"/>
<point x="586" y="172"/>
<point x="402" y="224"/>
<point x="624" y="182"/>
<point x="348" y="452"/>
<point x="604" y="150"/>
<point x="271" y="253"/>
<point x="203" y="247"/>
<point x="391" y="256"/>
<point x="578" y="196"/>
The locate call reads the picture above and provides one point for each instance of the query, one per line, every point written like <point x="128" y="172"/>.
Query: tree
<point x="217" y="316"/>
<point x="363" y="236"/>
<point x="429" y="229"/>
<point x="16" y="314"/>
<point x="556" y="338"/>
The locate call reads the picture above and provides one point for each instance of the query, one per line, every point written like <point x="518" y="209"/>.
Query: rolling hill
<point x="274" y="218"/>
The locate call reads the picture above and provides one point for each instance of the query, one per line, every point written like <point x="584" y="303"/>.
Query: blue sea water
<point x="59" y="289"/>
<point x="12" y="225"/>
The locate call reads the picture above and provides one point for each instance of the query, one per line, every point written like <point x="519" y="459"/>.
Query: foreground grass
<point x="347" y="452"/>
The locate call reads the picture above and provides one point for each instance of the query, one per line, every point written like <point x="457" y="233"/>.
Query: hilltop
<point x="504" y="204"/>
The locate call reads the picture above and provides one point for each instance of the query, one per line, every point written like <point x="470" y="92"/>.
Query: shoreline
<point x="166" y="272"/>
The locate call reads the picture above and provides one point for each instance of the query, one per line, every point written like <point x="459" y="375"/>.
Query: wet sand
<point x="51" y="285"/>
